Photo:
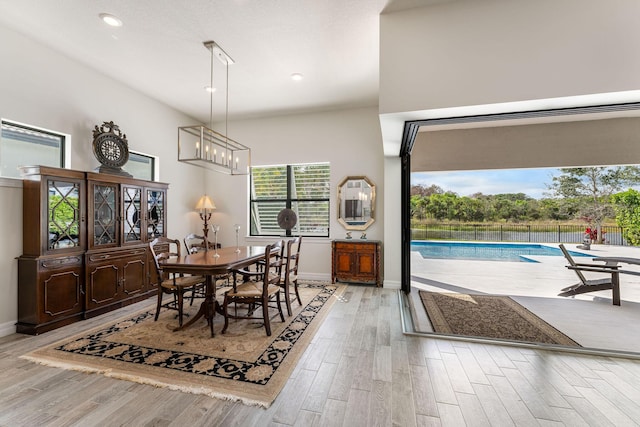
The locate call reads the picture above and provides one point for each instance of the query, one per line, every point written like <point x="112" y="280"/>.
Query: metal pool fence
<point x="555" y="233"/>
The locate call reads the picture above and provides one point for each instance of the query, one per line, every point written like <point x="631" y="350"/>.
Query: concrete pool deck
<point x="590" y="319"/>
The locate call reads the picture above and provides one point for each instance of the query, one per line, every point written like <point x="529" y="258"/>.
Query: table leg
<point x="210" y="300"/>
<point x="207" y="308"/>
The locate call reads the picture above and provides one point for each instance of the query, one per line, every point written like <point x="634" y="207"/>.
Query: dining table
<point x="211" y="263"/>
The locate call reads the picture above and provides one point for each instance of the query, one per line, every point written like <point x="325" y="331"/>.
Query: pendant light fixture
<point x="204" y="147"/>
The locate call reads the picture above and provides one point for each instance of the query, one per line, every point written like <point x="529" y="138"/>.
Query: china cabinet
<point x="356" y="261"/>
<point x="85" y="238"/>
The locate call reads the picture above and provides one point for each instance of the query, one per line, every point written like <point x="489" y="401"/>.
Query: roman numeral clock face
<point x="110" y="148"/>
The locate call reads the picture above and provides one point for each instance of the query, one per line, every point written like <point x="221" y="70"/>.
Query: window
<point x="141" y="166"/>
<point x="22" y="145"/>
<point x="304" y="188"/>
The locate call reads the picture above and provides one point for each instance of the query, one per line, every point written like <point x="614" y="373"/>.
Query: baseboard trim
<point x="7" y="328"/>
<point x="391" y="284"/>
<point x="315" y="276"/>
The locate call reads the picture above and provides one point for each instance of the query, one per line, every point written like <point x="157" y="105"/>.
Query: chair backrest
<point x="196" y="243"/>
<point x="569" y="258"/>
<point x="293" y="256"/>
<point x="163" y="248"/>
<point x="273" y="263"/>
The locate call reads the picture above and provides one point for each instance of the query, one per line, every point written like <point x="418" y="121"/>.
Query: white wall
<point x="492" y="51"/>
<point x="42" y="88"/>
<point x="392" y="221"/>
<point x="349" y="140"/>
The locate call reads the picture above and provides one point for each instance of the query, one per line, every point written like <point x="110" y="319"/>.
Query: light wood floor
<point x="360" y="370"/>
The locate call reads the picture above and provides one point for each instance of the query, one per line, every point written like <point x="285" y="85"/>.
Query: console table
<point x="356" y="261"/>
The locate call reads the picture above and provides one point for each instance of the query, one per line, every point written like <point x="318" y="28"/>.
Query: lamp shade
<point x="205" y="204"/>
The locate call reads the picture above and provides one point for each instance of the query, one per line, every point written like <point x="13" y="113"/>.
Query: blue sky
<point x="532" y="182"/>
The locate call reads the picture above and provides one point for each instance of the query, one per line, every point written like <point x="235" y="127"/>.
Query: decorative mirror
<point x="356" y="202"/>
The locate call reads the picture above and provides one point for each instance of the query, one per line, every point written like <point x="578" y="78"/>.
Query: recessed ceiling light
<point x="296" y="77"/>
<point x="112" y="20"/>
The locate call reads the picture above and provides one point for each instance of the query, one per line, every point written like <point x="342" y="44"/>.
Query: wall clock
<point x="111" y="148"/>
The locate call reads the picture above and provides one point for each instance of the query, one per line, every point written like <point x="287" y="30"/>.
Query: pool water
<point x="512" y="252"/>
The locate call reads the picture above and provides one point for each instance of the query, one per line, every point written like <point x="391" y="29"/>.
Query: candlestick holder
<point x="215" y="228"/>
<point x="237" y="228"/>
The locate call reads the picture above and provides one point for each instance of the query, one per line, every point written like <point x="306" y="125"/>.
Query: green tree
<point x="555" y="209"/>
<point x="441" y="206"/>
<point x="592" y="188"/>
<point x="505" y="208"/>
<point x="425" y="191"/>
<point x="627" y="208"/>
<point x="418" y="206"/>
<point x="469" y="209"/>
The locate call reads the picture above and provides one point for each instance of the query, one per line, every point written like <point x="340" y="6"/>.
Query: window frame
<point x="65" y="150"/>
<point x="289" y="200"/>
<point x="155" y="173"/>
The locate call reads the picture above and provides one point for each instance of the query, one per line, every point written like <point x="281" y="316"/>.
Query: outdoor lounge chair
<point x="585" y="285"/>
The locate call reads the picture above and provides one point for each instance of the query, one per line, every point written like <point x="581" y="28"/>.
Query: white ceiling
<point x="159" y="50"/>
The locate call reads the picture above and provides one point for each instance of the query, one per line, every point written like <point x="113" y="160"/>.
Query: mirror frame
<point x="371" y="218"/>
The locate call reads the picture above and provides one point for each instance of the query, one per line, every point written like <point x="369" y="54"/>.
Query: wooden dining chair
<point x="174" y="284"/>
<point x="258" y="289"/>
<point x="196" y="243"/>
<point x="290" y="272"/>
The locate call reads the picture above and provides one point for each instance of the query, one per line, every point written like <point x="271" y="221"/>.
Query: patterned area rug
<point x="488" y="316"/>
<point x="243" y="364"/>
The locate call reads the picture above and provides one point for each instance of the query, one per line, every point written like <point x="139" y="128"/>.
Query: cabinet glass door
<point x="155" y="214"/>
<point x="131" y="199"/>
<point x="63" y="214"/>
<point x="105" y="214"/>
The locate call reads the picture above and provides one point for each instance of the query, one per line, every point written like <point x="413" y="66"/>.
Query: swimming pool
<point x="512" y="252"/>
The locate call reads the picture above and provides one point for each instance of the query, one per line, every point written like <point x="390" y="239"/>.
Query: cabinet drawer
<point x="356" y="246"/>
<point x="61" y="262"/>
<point x="116" y="255"/>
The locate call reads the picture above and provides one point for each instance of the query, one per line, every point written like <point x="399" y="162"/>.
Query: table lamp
<point x="205" y="207"/>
